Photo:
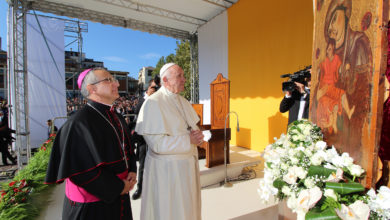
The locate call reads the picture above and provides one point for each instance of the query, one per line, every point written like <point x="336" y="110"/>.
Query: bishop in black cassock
<point x="92" y="154"/>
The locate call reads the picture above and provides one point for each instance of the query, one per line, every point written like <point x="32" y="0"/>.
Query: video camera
<point x="156" y="80"/>
<point x="299" y="77"/>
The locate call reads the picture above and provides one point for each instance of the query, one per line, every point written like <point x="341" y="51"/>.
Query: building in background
<point x="128" y="85"/>
<point x="144" y="75"/>
<point x="132" y="85"/>
<point x="3" y="73"/>
<point x="72" y="70"/>
<point x="122" y="78"/>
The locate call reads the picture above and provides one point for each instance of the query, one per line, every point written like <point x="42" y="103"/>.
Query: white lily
<point x="335" y="177"/>
<point x="320" y="145"/>
<point x="330" y="193"/>
<point x="306" y="131"/>
<point x="290" y="177"/>
<point x="331" y="153"/>
<point x="293" y="173"/>
<point x="356" y="211"/>
<point x="356" y="170"/>
<point x="306" y="200"/>
<point x="266" y="191"/>
<point x="318" y="158"/>
<point x="309" y="183"/>
<point x="384" y="197"/>
<point x="347" y="160"/>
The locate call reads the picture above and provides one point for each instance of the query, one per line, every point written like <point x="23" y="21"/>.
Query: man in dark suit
<point x="5" y="138"/>
<point x="142" y="147"/>
<point x="49" y="130"/>
<point x="297" y="102"/>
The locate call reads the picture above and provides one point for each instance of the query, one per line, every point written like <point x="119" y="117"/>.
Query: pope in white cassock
<point x="167" y="121"/>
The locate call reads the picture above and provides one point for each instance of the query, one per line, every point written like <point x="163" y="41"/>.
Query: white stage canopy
<point x="174" y="18"/>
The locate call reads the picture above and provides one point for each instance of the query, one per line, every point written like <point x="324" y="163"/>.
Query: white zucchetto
<point x="165" y="68"/>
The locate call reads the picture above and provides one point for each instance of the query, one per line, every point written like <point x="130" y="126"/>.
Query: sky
<point x="120" y="49"/>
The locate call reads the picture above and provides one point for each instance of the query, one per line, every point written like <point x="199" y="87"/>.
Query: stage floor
<point x="239" y="202"/>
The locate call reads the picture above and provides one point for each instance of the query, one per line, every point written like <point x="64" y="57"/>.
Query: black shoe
<point x="137" y="194"/>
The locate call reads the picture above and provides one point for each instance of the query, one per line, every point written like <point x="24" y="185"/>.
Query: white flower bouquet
<point x="317" y="181"/>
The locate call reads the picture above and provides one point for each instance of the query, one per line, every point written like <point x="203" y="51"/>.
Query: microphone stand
<point x="226" y="182"/>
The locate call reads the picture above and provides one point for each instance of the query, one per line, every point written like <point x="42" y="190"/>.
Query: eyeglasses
<point x="108" y="79"/>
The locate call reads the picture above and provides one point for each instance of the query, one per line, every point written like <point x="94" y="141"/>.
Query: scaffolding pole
<point x="194" y="69"/>
<point x="20" y="83"/>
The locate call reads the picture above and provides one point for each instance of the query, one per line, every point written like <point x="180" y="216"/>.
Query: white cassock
<point x="171" y="186"/>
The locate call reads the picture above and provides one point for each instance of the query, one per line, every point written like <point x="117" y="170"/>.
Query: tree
<point x="159" y="64"/>
<point x="181" y="58"/>
<point x="170" y="58"/>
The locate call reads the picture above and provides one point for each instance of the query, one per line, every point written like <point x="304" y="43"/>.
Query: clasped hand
<point x="129" y="182"/>
<point x="196" y="137"/>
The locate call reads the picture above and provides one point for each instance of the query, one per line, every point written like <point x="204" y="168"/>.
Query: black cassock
<point x="88" y="152"/>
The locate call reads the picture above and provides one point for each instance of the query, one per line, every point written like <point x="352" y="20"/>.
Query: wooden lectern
<point x="219" y="98"/>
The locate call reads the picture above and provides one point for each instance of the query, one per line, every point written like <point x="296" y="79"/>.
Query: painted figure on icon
<point x="342" y="94"/>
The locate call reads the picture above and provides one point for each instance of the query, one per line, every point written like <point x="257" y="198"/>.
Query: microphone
<point x="227" y="116"/>
<point x="226" y="181"/>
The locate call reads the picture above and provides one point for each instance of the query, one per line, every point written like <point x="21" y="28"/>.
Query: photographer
<point x="297" y="95"/>
<point x="142" y="147"/>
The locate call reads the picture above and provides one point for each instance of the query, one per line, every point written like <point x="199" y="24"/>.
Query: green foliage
<point x="159" y="64"/>
<point x="170" y="58"/>
<point x="320" y="171"/>
<point x="19" y="212"/>
<point x="181" y="58"/>
<point x="279" y="183"/>
<point x="374" y="216"/>
<point x="317" y="214"/>
<point x="345" y="188"/>
<point x="349" y="199"/>
<point x="19" y="197"/>
<point x="330" y="203"/>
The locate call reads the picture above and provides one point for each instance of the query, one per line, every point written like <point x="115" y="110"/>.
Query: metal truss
<point x="75" y="26"/>
<point x="18" y="75"/>
<point x="221" y="3"/>
<point x="194" y="69"/>
<point x="104" y="18"/>
<point x="139" y="7"/>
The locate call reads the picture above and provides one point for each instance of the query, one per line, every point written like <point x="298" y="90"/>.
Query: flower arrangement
<point x="18" y="198"/>
<point x="316" y="181"/>
<point x="15" y="192"/>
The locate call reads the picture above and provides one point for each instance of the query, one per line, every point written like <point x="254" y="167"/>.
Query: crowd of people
<point x="124" y="105"/>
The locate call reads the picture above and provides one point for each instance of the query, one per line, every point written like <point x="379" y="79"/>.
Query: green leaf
<point x="345" y="188"/>
<point x="330" y="203"/>
<point x="320" y="171"/>
<point x="316" y="214"/>
<point x="278" y="183"/>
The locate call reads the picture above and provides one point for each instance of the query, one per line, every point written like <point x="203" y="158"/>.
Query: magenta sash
<point x="79" y="194"/>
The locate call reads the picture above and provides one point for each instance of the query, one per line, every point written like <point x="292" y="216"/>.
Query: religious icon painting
<point x="345" y="83"/>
